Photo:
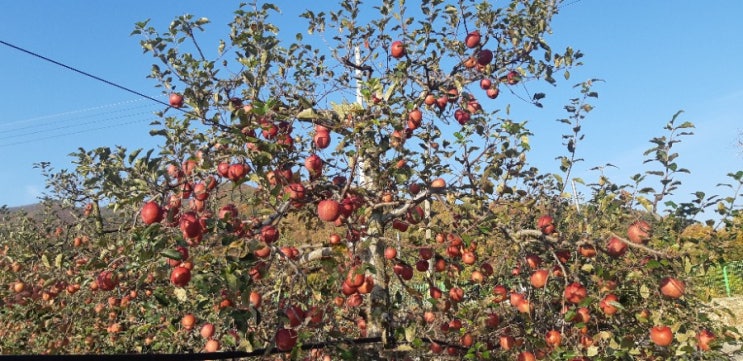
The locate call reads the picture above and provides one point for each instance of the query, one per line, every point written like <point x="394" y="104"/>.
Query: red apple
<point x="313" y="163"/>
<point x="492" y="93"/>
<point x="639" y="232"/>
<point x="237" y="171"/>
<point x="661" y="335"/>
<point x="538" y="278"/>
<point x="461" y="116"/>
<point x="575" y="293"/>
<point x="180" y="276"/>
<point x="176" y="100"/>
<point x="704" y="337"/>
<point x="151" y="213"/>
<point x="615" y="247"/>
<point x="672" y="287"/>
<point x="486" y="83"/>
<point x="190" y="225"/>
<point x="484" y="57"/>
<point x="322" y="139"/>
<point x="397" y="49"/>
<point x="286" y="339"/>
<point x="606" y="304"/>
<point x="328" y="210"/>
<point x="473" y="39"/>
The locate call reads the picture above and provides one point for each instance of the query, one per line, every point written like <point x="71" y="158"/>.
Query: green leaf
<point x="172" y="254"/>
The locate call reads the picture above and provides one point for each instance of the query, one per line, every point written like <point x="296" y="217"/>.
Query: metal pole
<point x="727" y="281"/>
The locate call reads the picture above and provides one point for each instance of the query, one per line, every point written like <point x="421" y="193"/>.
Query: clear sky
<point x="657" y="57"/>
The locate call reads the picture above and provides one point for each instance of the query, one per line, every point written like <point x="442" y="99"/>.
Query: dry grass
<point x="735" y="305"/>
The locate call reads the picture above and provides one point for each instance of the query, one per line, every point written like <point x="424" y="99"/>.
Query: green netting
<point x="725" y="280"/>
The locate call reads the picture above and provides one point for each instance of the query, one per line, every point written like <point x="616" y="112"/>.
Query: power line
<point x="63" y="123"/>
<point x="83" y="73"/>
<point x="94" y="121"/>
<point x="57" y="115"/>
<point x="72" y="133"/>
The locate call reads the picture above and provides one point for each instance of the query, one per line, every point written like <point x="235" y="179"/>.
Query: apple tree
<point x="361" y="190"/>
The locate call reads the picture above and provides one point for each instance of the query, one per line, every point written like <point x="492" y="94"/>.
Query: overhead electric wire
<point x="57" y="123"/>
<point x="83" y="73"/>
<point x="58" y="115"/>
<point x="95" y="121"/>
<point x="72" y="133"/>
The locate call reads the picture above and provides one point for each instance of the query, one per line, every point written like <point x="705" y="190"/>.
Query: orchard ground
<point x="735" y="305"/>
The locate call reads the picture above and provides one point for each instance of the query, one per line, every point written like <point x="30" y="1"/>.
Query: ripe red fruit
<point x="484" y="57"/>
<point x="415" y="215"/>
<point x="207" y="330"/>
<point x="184" y="256"/>
<point x="582" y="315"/>
<point x="492" y="320"/>
<point x="390" y="253"/>
<point x="442" y="102"/>
<point x="176" y="100"/>
<point x="553" y="338"/>
<point x="500" y="292"/>
<point x="295" y="191"/>
<point x="587" y="250"/>
<point x="467" y="340"/>
<point x="526" y="356"/>
<point x="638" y="232"/>
<point x="462" y="116"/>
<point x="672" y="287"/>
<point x="661" y="335"/>
<point x="438" y="184"/>
<point x="313" y="163"/>
<point x="397" y="49"/>
<point x="429" y="100"/>
<point x="473" y="39"/>
<point x="328" y="210"/>
<point x="223" y="169"/>
<point x="190" y="225"/>
<point x="421" y="265"/>
<point x="255" y="299"/>
<point x="704" y="338"/>
<point x="575" y="293"/>
<point x="107" y="280"/>
<point x="180" y="276"/>
<point x="606" y="304"/>
<point x="539" y="278"/>
<point x="492" y="93"/>
<point x="507" y="342"/>
<point x="400" y="225"/>
<point x="200" y="192"/>
<point x="151" y="213"/>
<point x="486" y="83"/>
<point x="269" y="234"/>
<point x="615" y="247"/>
<point x="533" y="260"/>
<point x="544" y="223"/>
<point x="286" y="339"/>
<point x="321" y="139"/>
<point x="188" y="321"/>
<point x="513" y="77"/>
<point x="237" y="171"/>
<point x="406" y="272"/>
<point x="295" y="314"/>
<point x="212" y="346"/>
<point x="468" y="258"/>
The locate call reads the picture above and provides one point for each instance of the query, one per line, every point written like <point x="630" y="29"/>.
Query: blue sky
<point x="656" y="58"/>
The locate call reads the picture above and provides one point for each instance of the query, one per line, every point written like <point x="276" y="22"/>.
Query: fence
<point x="725" y="280"/>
